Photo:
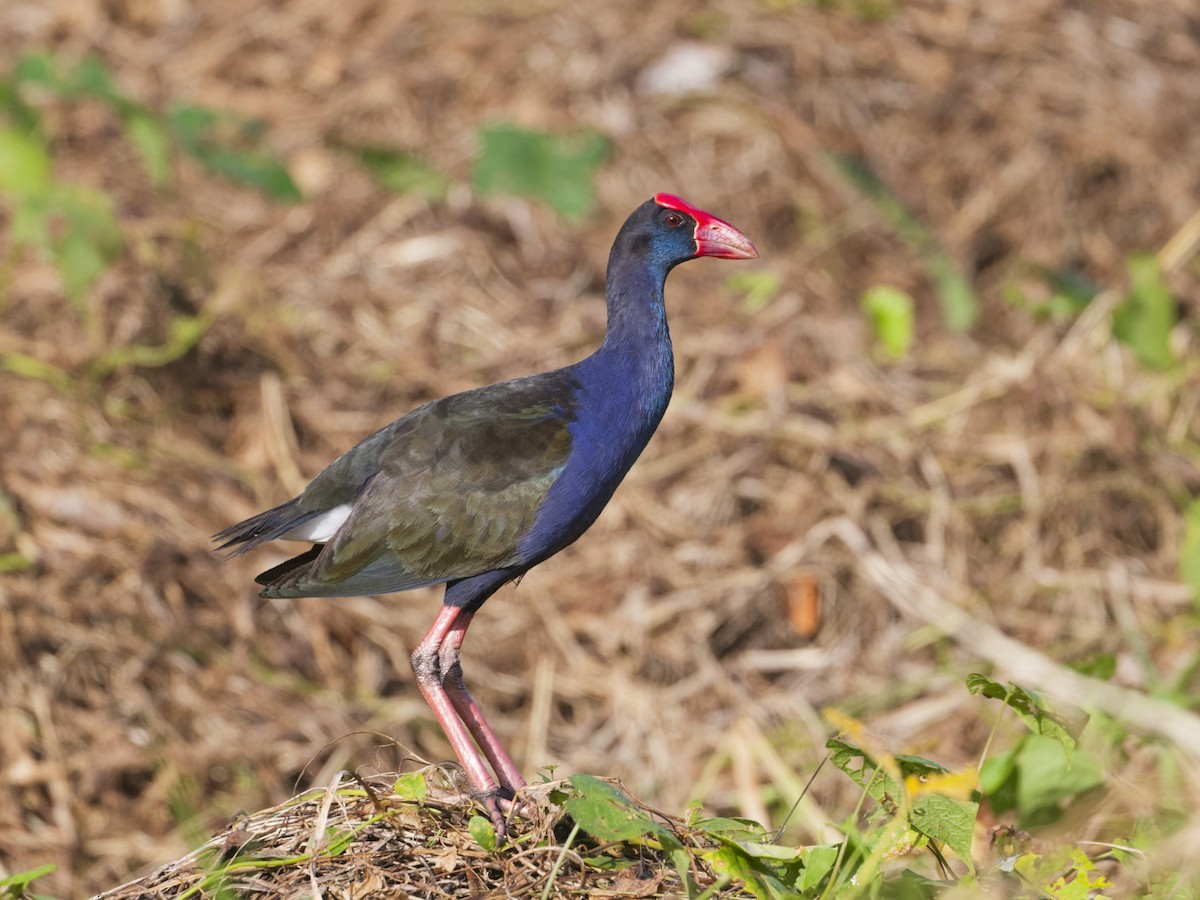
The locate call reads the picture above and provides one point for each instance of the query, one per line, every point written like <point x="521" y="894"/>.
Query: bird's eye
<point x="674" y="220"/>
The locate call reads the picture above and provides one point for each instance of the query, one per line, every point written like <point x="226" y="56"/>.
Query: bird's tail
<point x="266" y="526"/>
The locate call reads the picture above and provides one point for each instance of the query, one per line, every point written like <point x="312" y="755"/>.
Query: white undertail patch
<point x="322" y="528"/>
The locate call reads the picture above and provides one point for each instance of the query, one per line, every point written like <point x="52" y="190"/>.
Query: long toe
<point x="495" y="803"/>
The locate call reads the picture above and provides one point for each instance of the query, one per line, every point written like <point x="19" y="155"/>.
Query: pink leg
<point x="452" y="680"/>
<point x="434" y="662"/>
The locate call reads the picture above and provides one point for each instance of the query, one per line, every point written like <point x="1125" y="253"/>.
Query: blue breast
<point x="622" y="396"/>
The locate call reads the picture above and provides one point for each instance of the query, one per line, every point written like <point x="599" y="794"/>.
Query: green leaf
<point x="38" y="68"/>
<point x="945" y="819"/>
<point x="1102" y="665"/>
<point x="14" y="562"/>
<point x="862" y="767"/>
<point x="960" y="305"/>
<point x="731" y="829"/>
<point x="1075" y="288"/>
<point x="913" y="886"/>
<point x="483" y="831"/>
<point x="30" y="225"/>
<point x="76" y="227"/>
<point x="91" y="78"/>
<point x="22" y="116"/>
<point x="556" y="169"/>
<point x="20" y="879"/>
<point x="1036" y="779"/>
<point x="1027" y="705"/>
<point x="1047" y="776"/>
<point x="919" y="765"/>
<point x="36" y="369"/>
<point x="763" y="880"/>
<point x="149" y="138"/>
<point x="411" y="786"/>
<point x="996" y="776"/>
<point x="863" y="770"/>
<point x="79" y="263"/>
<point x="891" y="313"/>
<point x="24" y="164"/>
<point x="606" y="813"/>
<point x="1144" y="321"/>
<point x="819" y="861"/>
<point x="90" y="240"/>
<point x="403" y="172"/>
<point x="193" y="125"/>
<point x="767" y="851"/>
<point x="1189" y="553"/>
<point x="256" y="170"/>
<point x="226" y="144"/>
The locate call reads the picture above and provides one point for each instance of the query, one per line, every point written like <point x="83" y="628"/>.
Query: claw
<point x="491" y="803"/>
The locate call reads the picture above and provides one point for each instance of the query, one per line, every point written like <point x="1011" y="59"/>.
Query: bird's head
<point x="669" y="230"/>
<point x="710" y="236"/>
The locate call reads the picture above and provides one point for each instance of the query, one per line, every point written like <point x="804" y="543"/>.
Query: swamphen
<point x="475" y="489"/>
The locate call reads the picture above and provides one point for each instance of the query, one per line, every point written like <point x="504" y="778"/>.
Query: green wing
<point x="444" y="493"/>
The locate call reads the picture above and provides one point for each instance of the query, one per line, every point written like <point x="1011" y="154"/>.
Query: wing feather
<point x="444" y="493"/>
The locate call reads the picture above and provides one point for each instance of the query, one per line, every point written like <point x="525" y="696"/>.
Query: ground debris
<point x="356" y="839"/>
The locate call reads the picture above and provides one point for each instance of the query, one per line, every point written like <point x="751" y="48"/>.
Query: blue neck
<point x="627" y="383"/>
<point x="633" y="371"/>
<point x="622" y="391"/>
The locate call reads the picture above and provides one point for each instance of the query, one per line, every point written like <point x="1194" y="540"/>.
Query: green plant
<point x="1070" y="293"/>
<point x="890" y="311"/>
<point x="230" y="145"/>
<point x="960" y="306"/>
<point x="1044" y="771"/>
<point x="1144" y="321"/>
<point x="71" y="224"/>
<point x="909" y="807"/>
<point x="911" y="804"/>
<point x="223" y="142"/>
<point x="1189" y="553"/>
<point x="74" y="224"/>
<point x="556" y="169"/>
<point x="604" y="812"/>
<point x="16" y="887"/>
<point x="401" y="172"/>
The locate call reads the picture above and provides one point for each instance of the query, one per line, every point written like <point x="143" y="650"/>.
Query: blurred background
<point x="238" y="237"/>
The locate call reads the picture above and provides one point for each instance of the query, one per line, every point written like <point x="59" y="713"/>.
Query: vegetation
<point x="903" y="603"/>
<point x="910" y="834"/>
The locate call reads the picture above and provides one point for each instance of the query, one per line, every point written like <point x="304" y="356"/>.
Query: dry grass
<point x="353" y="838"/>
<point x="1030" y="474"/>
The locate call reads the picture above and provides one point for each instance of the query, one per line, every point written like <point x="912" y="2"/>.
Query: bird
<point x="475" y="489"/>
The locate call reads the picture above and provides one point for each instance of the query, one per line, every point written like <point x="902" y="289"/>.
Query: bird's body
<point x="475" y="489"/>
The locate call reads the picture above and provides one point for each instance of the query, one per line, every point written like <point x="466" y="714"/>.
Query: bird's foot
<point x="499" y="805"/>
<point x="502" y="803"/>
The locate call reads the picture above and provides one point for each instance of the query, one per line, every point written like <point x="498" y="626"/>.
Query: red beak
<point x="714" y="237"/>
<point x="720" y="239"/>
